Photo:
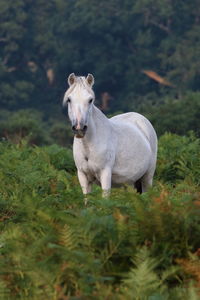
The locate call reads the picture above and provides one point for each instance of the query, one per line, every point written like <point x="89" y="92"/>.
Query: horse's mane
<point x="81" y="83"/>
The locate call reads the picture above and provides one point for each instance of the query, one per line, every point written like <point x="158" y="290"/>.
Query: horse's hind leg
<point x="146" y="181"/>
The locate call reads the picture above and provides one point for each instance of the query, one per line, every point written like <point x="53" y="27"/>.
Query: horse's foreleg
<point x="85" y="185"/>
<point x="105" y="179"/>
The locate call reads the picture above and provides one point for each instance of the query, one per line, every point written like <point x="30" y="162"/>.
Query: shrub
<point x="178" y="158"/>
<point x="15" y="126"/>
<point x="175" y="115"/>
<point x="31" y="125"/>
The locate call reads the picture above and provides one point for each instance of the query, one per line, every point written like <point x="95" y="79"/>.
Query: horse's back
<point x="142" y="123"/>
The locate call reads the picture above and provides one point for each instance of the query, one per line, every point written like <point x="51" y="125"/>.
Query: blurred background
<point x="144" y="55"/>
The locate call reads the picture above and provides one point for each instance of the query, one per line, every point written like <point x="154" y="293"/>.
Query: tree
<point x="43" y="41"/>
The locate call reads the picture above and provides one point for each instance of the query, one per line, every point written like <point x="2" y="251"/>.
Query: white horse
<point x="122" y="149"/>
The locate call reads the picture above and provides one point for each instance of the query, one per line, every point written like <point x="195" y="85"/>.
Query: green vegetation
<point x="42" y="42"/>
<point x="29" y="124"/>
<point x="128" y="247"/>
<point x="173" y="115"/>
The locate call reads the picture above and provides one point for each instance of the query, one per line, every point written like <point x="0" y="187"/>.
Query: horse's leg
<point x="146" y="181"/>
<point x="85" y="184"/>
<point x="105" y="179"/>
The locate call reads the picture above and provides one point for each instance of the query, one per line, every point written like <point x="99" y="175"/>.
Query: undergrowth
<point x="131" y="246"/>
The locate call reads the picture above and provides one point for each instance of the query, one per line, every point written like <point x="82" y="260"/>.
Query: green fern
<point x="67" y="238"/>
<point x="53" y="247"/>
<point x="184" y="293"/>
<point x="143" y="281"/>
<point x="109" y="250"/>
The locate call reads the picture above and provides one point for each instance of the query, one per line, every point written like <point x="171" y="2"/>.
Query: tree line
<point x="140" y="52"/>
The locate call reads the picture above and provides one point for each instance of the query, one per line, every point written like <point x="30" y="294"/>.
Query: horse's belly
<point x="129" y="176"/>
<point x="131" y="169"/>
<point x="118" y="179"/>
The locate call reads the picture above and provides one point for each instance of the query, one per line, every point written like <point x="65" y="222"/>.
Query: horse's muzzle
<point x="79" y="133"/>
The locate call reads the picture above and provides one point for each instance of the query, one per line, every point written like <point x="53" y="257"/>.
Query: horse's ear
<point x="90" y="79"/>
<point x="71" y="79"/>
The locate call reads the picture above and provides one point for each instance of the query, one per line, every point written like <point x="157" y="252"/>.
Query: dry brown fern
<point x="191" y="266"/>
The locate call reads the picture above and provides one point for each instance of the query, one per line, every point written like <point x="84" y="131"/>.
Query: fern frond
<point x="170" y="272"/>
<point x="142" y="281"/>
<point x="193" y="293"/>
<point x="67" y="237"/>
<point x="109" y="251"/>
<point x="184" y="293"/>
<point x="191" y="267"/>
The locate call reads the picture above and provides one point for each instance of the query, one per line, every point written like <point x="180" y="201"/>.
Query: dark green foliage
<point x="31" y="125"/>
<point x="15" y="126"/>
<point x="178" y="158"/>
<point x="60" y="158"/>
<point x="131" y="246"/>
<point x="43" y="41"/>
<point x="175" y="115"/>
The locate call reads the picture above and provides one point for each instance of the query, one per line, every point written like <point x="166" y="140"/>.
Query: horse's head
<point x="79" y="98"/>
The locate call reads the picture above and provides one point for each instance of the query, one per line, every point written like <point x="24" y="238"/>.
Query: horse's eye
<point x="90" y="101"/>
<point x="68" y="100"/>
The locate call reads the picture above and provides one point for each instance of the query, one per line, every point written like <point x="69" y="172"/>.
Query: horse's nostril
<point x="83" y="129"/>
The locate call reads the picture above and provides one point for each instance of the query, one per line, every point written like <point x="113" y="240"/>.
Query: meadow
<point x="131" y="246"/>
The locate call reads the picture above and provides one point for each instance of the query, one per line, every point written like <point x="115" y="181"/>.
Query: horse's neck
<point x="99" y="118"/>
<point x="98" y="127"/>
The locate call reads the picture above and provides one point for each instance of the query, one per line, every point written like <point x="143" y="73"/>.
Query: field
<point x="131" y="246"/>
